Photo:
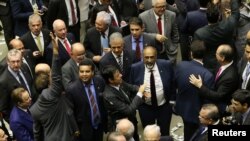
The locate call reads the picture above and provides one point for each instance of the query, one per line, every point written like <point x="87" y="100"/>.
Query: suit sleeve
<point x="17" y="12"/>
<point x="20" y="132"/>
<point x="38" y="131"/>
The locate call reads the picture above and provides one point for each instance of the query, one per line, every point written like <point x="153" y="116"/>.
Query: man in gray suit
<point x="70" y="68"/>
<point x="52" y="114"/>
<point x="164" y="19"/>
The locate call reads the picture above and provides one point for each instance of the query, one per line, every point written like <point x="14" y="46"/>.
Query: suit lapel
<point x="166" y="23"/>
<point x="153" y="20"/>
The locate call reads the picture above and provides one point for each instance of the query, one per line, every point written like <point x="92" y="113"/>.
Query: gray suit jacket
<point x="69" y="72"/>
<point x="170" y="26"/>
<point x="52" y="113"/>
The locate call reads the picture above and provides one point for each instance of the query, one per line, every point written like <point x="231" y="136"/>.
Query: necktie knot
<point x="103" y="34"/>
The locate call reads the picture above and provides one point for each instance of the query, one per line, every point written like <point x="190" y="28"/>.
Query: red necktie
<point x="218" y="74"/>
<point x="138" y="50"/>
<point x="67" y="46"/>
<point x="159" y="25"/>
<point x="73" y="14"/>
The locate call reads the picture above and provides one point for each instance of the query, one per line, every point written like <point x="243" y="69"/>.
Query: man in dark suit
<point x="118" y="57"/>
<point x="37" y="39"/>
<point x="244" y="68"/>
<point x="15" y="75"/>
<point x="52" y="113"/>
<point x="65" y="40"/>
<point x="162" y="21"/>
<point x="21" y="122"/>
<point x="158" y="75"/>
<point x="85" y="94"/>
<point x="21" y="10"/>
<point x="226" y="79"/>
<point x="209" y="115"/>
<point x="28" y="57"/>
<point x="240" y="106"/>
<point x="143" y="39"/>
<point x="67" y="11"/>
<point x="120" y="98"/>
<point x="70" y="71"/>
<point x="96" y="41"/>
<point x="193" y="21"/>
<point x="6" y="20"/>
<point x="218" y="32"/>
<point x="188" y="99"/>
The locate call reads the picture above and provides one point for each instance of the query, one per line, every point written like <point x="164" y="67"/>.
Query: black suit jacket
<point x="57" y="9"/>
<point x="217" y="34"/>
<point x="128" y="60"/>
<point x="225" y="86"/>
<point x="121" y="106"/>
<point x="92" y="41"/>
<point x="4" y="10"/>
<point x="30" y="43"/>
<point x="78" y="96"/>
<point x="128" y="9"/>
<point x="7" y="84"/>
<point x="63" y="54"/>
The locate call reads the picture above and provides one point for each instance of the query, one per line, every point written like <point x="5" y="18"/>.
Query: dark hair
<point x="242" y="96"/>
<point x="136" y="21"/>
<point x="108" y="72"/>
<point x="87" y="62"/>
<point x="213" y="111"/>
<point x="213" y="13"/>
<point x="227" y="52"/>
<point x="203" y="3"/>
<point x="198" y="49"/>
<point x="16" y="95"/>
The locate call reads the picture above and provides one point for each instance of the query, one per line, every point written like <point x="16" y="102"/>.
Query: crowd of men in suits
<point x="106" y="59"/>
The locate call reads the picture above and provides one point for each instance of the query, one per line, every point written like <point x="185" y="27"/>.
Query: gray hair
<point x="115" y="36"/>
<point x="152" y="128"/>
<point x="154" y="2"/>
<point x="125" y="127"/>
<point x="14" y="52"/>
<point x="104" y="16"/>
<point x="35" y="17"/>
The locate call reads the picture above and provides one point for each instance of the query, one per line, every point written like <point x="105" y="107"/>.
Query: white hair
<point x="152" y="128"/>
<point x="104" y="16"/>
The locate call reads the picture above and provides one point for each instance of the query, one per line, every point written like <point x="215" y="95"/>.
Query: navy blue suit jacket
<point x="77" y="95"/>
<point x="21" y="10"/>
<point x="21" y="124"/>
<point x="166" y="72"/>
<point x="188" y="99"/>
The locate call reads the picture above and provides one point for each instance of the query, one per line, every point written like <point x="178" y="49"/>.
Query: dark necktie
<point x="124" y="94"/>
<point x="153" y="90"/>
<point x="72" y="12"/>
<point x="93" y="104"/>
<point x="138" y="50"/>
<point x="159" y="25"/>
<point x="119" y="58"/>
<point x="21" y="80"/>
